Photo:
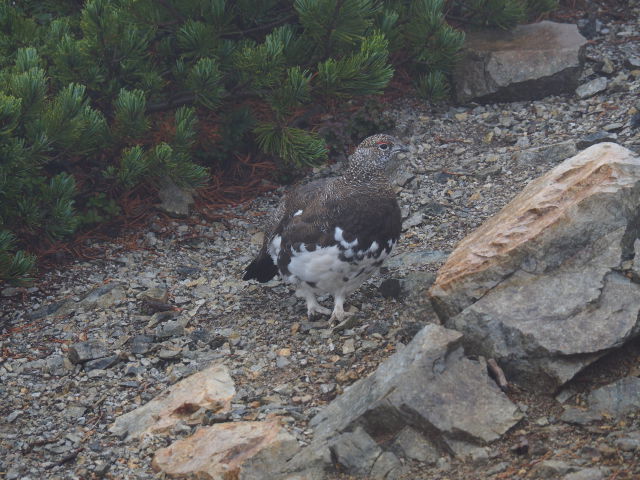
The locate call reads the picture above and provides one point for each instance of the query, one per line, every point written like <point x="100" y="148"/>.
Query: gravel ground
<point x="465" y="164"/>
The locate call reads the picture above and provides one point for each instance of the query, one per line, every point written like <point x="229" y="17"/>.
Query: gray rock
<point x="552" y="469"/>
<point x="161" y="317"/>
<point x="349" y="346"/>
<point x="589" y="89"/>
<point x="478" y="456"/>
<point x="102" y="363"/>
<point x="57" y="364"/>
<point x="66" y="306"/>
<point x="172" y="328"/>
<point x="497" y="468"/>
<point x="282" y="362"/>
<point x="413" y="221"/>
<point x="613" y="127"/>
<point x="484" y="173"/>
<point x="356" y="452"/>
<point x="607" y="66"/>
<point x="387" y="466"/>
<point x="412" y="445"/>
<point x="104" y="296"/>
<point x="618" y="398"/>
<point x="430" y="386"/>
<point x="547" y="153"/>
<point x="154" y="294"/>
<point x="619" y="83"/>
<point x="401" y="177"/>
<point x="538" y="287"/>
<point x="74" y="411"/>
<point x="527" y="63"/>
<point x="593" y="473"/>
<point x="579" y="416"/>
<point x="188" y="399"/>
<point x="632" y="62"/>
<point x="593" y="138"/>
<point x="10" y="291"/>
<point x="169" y="353"/>
<point x="267" y="463"/>
<point x="319" y="325"/>
<point x="175" y="200"/>
<point x="13" y="415"/>
<point x="13" y="474"/>
<point x="416" y="283"/>
<point x="629" y="443"/>
<point x="310" y="463"/>
<point x="85" y="351"/>
<point x="614" y="400"/>
<point x="141" y="344"/>
<point x="585" y="334"/>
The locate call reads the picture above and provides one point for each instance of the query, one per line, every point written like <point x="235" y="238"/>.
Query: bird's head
<point x="377" y="152"/>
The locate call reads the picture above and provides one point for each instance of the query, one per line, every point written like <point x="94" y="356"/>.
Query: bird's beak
<point x="400" y="148"/>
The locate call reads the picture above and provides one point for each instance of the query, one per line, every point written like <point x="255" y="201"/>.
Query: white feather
<point x="323" y="268"/>
<point x="274" y="248"/>
<point x="339" y="237"/>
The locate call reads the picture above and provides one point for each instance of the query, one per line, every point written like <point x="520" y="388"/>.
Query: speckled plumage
<point x="330" y="235"/>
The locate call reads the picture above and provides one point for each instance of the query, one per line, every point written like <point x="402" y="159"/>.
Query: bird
<point x="330" y="235"/>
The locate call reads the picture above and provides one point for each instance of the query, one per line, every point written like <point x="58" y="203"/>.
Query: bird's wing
<point x="357" y="214"/>
<point x="301" y="206"/>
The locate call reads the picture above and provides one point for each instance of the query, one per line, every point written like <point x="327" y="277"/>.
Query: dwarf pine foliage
<point x="96" y="100"/>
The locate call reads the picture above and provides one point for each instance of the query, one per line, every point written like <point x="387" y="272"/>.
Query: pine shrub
<point x="97" y="100"/>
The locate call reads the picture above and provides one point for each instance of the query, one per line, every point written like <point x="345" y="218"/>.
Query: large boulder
<point x="428" y="391"/>
<point x="542" y="285"/>
<point x="616" y="400"/>
<point x="188" y="400"/>
<point x="241" y="450"/>
<point x="528" y="63"/>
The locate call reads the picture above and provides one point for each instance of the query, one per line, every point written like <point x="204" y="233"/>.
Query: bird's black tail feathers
<point x="262" y="269"/>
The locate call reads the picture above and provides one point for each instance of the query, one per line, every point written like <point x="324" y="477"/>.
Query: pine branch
<point x="330" y="28"/>
<point x="261" y="28"/>
<point x="187" y="98"/>
<point x="174" y="11"/>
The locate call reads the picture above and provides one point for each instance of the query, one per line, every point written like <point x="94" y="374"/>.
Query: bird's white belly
<point x="324" y="272"/>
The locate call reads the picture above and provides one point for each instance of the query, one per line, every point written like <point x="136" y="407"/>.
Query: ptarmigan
<point x="330" y="235"/>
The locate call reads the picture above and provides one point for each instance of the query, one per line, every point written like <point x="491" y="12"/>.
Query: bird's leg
<point x="313" y="306"/>
<point x="338" y="313"/>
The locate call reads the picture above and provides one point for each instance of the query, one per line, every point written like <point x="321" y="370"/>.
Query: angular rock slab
<point x="428" y="385"/>
<point x="540" y="285"/>
<point x="176" y="201"/>
<point x="528" y="63"/>
<point x="239" y="450"/>
<point x="614" y="400"/>
<point x="210" y="389"/>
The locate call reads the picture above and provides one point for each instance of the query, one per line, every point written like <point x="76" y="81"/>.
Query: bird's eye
<point x="384" y="146"/>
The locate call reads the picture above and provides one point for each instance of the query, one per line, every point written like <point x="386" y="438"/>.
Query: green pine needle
<point x="205" y="80"/>
<point x="130" y="117"/>
<point x="363" y="73"/>
<point x="294" y="146"/>
<point x="15" y="266"/>
<point x="433" y="86"/>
